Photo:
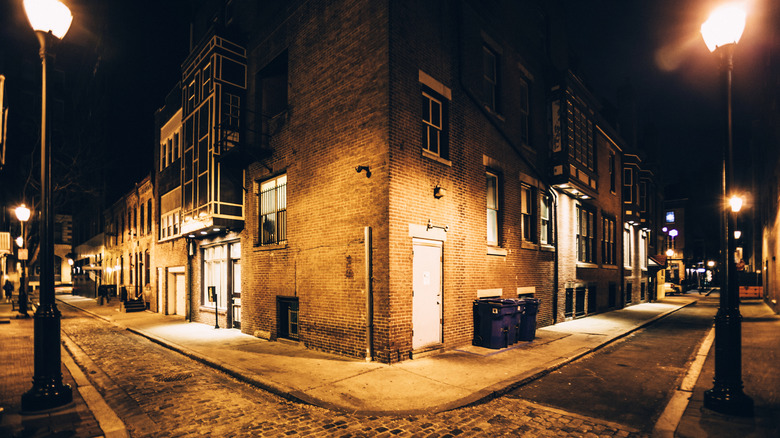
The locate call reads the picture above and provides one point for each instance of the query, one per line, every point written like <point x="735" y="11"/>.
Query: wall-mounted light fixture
<point x="359" y="169"/>
<point x="439" y="192"/>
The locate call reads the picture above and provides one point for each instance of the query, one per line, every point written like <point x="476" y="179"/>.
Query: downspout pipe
<point x="188" y="280"/>
<point x="556" y="286"/>
<point x="369" y="295"/>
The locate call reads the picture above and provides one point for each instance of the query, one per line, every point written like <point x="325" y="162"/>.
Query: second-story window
<point x="492" y="208"/>
<point x="579" y="135"/>
<point x="141" y="228"/>
<point x="586" y="249"/>
<point x="545" y="231"/>
<point x="608" y="249"/>
<point x="628" y="185"/>
<point x="528" y="218"/>
<point x="524" y="111"/>
<point x="434" y="123"/>
<point x="612" y="172"/>
<point x="490" y="78"/>
<point x="273" y="211"/>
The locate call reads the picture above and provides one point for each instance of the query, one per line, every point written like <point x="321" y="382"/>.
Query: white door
<point x="180" y="295"/>
<point x="426" y="303"/>
<point x="171" y="293"/>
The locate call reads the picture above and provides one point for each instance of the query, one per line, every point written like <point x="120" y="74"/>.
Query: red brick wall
<point x="336" y="120"/>
<point x="474" y="134"/>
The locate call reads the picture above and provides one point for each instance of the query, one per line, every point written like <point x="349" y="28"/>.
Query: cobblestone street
<point x="161" y="393"/>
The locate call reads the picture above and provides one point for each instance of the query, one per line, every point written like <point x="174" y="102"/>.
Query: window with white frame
<point x="643" y="250"/>
<point x="169" y="224"/>
<point x="273" y="211"/>
<point x="545" y="231"/>
<point x="434" y="122"/>
<point x="586" y="248"/>
<point x="170" y="217"/>
<point x="492" y="208"/>
<point x="608" y="246"/>
<point x="527" y="217"/>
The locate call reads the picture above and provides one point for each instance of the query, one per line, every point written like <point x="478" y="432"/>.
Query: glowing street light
<point x="50" y="19"/>
<point x="736" y="203"/>
<point x="721" y="32"/>
<point x="23" y="214"/>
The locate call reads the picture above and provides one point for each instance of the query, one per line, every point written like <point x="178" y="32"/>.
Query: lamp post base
<point x="46" y="394"/>
<point x="48" y="391"/>
<point x="729" y="401"/>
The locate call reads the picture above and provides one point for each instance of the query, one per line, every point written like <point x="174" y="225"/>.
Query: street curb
<point x="237" y="373"/>
<point x="512" y="384"/>
<point x="479" y="397"/>
<point x="109" y="422"/>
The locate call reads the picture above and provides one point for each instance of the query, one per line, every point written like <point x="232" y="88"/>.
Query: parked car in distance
<point x="63" y="288"/>
<point x="671" y="289"/>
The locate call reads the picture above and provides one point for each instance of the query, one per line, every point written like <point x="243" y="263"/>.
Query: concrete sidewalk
<point x="81" y="418"/>
<point x="760" y="376"/>
<point x="424" y="385"/>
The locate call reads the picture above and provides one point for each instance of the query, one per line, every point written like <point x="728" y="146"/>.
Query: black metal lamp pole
<point x="48" y="391"/>
<point x="726" y="395"/>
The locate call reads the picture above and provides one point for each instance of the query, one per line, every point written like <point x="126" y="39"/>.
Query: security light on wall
<point x="359" y="169"/>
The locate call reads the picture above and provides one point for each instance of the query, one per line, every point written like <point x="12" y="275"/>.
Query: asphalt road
<point x="629" y="382"/>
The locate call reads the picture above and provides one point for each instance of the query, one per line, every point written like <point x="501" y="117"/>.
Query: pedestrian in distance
<point x="8" y="287"/>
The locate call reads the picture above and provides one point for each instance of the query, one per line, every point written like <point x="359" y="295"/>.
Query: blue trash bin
<point x="527" y="331"/>
<point x="495" y="323"/>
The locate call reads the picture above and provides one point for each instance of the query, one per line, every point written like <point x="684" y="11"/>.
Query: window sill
<point x="524" y="244"/>
<point x="430" y="155"/>
<point x="613" y="267"/>
<point x="493" y="112"/>
<point x="547" y="247"/>
<point x="259" y="247"/>
<point x="496" y="251"/>
<point x="587" y="265"/>
<point x="167" y="239"/>
<point x="204" y="308"/>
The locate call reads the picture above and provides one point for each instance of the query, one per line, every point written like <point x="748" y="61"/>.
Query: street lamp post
<point x="23" y="214"/>
<point x="50" y="20"/>
<point x="721" y="32"/>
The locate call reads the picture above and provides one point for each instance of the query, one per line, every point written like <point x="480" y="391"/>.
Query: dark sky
<point x="128" y="53"/>
<point x="117" y="62"/>
<point x="656" y="45"/>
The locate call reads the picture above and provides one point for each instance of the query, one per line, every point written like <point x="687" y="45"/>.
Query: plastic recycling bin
<point x="527" y="331"/>
<point x="495" y="323"/>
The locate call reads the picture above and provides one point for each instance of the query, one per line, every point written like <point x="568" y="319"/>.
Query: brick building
<point x="128" y="242"/>
<point x="300" y="192"/>
<point x="586" y="169"/>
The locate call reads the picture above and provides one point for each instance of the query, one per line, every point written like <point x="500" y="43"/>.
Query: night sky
<point x="657" y="47"/>
<point x="124" y="56"/>
<point x="117" y="63"/>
